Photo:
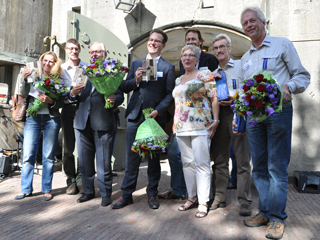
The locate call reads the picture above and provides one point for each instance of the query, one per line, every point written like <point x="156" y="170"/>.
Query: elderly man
<point x="222" y="139"/>
<point x="74" y="181"/>
<point x="270" y="140"/>
<point x="156" y="94"/>
<point x="94" y="127"/>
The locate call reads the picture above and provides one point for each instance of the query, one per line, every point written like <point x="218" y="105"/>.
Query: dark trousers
<point x="68" y="159"/>
<point x="91" y="143"/>
<point x="133" y="162"/>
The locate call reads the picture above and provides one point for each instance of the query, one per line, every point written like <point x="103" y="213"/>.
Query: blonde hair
<point x="56" y="70"/>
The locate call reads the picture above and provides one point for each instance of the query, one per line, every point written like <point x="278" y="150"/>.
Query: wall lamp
<point x="125" y="5"/>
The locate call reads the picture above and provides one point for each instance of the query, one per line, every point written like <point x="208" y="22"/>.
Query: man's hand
<point x="77" y="89"/>
<point x="111" y="98"/>
<point x="227" y="103"/>
<point x="139" y="72"/>
<point x="154" y="114"/>
<point x="235" y="125"/>
<point x="286" y="94"/>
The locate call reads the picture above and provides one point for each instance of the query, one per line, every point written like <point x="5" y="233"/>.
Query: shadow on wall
<point x="141" y="21"/>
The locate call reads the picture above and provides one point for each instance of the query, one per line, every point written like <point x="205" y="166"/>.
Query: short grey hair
<point x="253" y="9"/>
<point x="194" y="48"/>
<point x="99" y="43"/>
<point x="222" y="36"/>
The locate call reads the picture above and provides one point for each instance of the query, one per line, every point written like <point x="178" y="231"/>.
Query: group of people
<point x="202" y="127"/>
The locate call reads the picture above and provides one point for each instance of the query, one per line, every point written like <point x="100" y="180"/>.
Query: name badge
<point x="159" y="74"/>
<point x="247" y="65"/>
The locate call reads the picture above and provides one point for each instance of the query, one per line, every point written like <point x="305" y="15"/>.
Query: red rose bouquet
<point x="53" y="87"/>
<point x="260" y="97"/>
<point x="106" y="77"/>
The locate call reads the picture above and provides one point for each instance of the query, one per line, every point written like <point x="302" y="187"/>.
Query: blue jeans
<point x="32" y="132"/>
<point x="270" y="147"/>
<point x="178" y="184"/>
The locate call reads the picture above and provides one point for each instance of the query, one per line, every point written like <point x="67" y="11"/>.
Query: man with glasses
<point x="74" y="181"/>
<point x="221" y="141"/>
<point x="156" y="94"/>
<point x="94" y="127"/>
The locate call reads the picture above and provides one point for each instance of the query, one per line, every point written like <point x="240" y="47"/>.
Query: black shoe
<point x="85" y="197"/>
<point x="153" y="203"/>
<point x="22" y="196"/>
<point x="231" y="186"/>
<point x="105" y="201"/>
<point x="170" y="195"/>
<point x="245" y="210"/>
<point x="114" y="174"/>
<point x="121" y="203"/>
<point x="72" y="189"/>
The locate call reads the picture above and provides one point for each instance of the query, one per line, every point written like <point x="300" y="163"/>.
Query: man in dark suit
<point x="94" y="127"/>
<point x="152" y="94"/>
<point x="193" y="37"/>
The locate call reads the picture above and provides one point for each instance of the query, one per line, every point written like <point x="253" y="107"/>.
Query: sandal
<point x="185" y="208"/>
<point x="200" y="213"/>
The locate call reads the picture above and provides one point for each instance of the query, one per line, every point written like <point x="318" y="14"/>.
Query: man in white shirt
<point x="70" y="167"/>
<point x="222" y="139"/>
<point x="270" y="140"/>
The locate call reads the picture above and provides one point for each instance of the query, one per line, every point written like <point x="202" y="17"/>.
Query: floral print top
<point x="192" y="102"/>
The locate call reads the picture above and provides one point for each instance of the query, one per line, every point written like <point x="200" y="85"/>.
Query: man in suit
<point x="94" y="127"/>
<point x="152" y="94"/>
<point x="193" y="37"/>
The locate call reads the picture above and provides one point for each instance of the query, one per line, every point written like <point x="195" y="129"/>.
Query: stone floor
<point x="64" y="218"/>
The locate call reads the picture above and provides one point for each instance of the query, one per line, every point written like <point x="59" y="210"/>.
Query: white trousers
<point x="195" y="156"/>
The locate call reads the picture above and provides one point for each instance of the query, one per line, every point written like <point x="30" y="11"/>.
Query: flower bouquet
<point x="259" y="98"/>
<point x="53" y="87"/>
<point x="106" y="77"/>
<point x="150" y="138"/>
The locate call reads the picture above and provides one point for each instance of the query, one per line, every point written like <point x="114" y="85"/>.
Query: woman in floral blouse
<point x="195" y="103"/>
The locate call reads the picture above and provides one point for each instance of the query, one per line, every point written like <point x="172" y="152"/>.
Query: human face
<point x="47" y="64"/>
<point x="189" y="60"/>
<point x="73" y="51"/>
<point x="193" y="39"/>
<point x="155" y="44"/>
<point x="253" y="27"/>
<point x="96" y="51"/>
<point x="221" y="51"/>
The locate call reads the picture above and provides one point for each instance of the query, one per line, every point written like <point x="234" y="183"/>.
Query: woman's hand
<point x="44" y="98"/>
<point x="26" y="73"/>
<point x="213" y="128"/>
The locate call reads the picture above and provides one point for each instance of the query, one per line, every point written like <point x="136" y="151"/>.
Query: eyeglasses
<point x="221" y="47"/>
<point x="154" y="40"/>
<point x="96" y="52"/>
<point x="75" y="49"/>
<point x="189" y="55"/>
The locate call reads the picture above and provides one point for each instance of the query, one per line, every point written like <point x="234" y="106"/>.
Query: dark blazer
<point x="90" y="105"/>
<point x="152" y="94"/>
<point x="206" y="60"/>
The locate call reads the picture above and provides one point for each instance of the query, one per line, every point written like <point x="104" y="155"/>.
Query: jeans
<point x="178" y="185"/>
<point x="270" y="147"/>
<point x="32" y="132"/>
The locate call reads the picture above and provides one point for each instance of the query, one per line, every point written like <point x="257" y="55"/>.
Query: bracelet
<point x="216" y="120"/>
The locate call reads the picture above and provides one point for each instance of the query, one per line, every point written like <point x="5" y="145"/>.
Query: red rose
<point x="246" y="88"/>
<point x="127" y="69"/>
<point x="251" y="103"/>
<point x="261" y="88"/>
<point x="47" y="82"/>
<point x="248" y="97"/>
<point x="259" y="78"/>
<point x="258" y="103"/>
<point x="94" y="66"/>
<point x="264" y="80"/>
<point x="244" y="113"/>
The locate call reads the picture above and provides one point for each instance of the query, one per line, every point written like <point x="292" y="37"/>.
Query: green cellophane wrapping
<point x="150" y="137"/>
<point x="37" y="104"/>
<point x="107" y="86"/>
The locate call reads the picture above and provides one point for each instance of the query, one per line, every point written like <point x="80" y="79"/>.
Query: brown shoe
<point x="80" y="188"/>
<point x="275" y="230"/>
<point x="256" y="221"/>
<point x="216" y="204"/>
<point x="245" y="210"/>
<point x="72" y="189"/>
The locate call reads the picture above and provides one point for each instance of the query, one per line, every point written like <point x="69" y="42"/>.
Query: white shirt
<point x="69" y="71"/>
<point x="278" y="57"/>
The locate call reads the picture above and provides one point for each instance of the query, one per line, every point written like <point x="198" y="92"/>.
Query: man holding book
<point x="222" y="139"/>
